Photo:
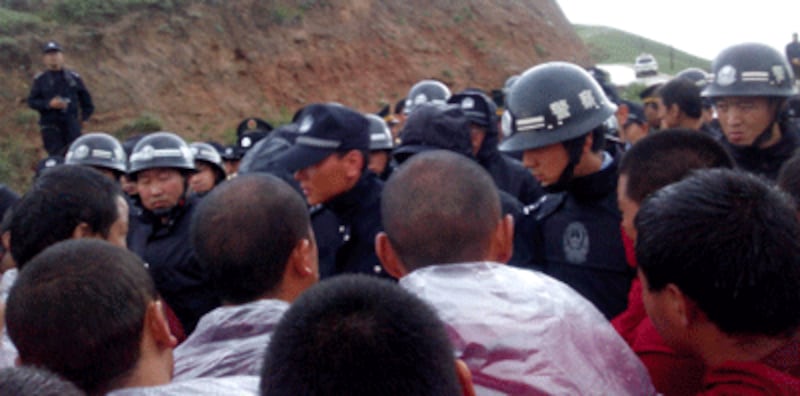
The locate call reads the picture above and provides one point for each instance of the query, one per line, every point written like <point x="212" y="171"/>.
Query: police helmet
<point x="161" y="150"/>
<point x="207" y="153"/>
<point x="750" y="69"/>
<point x="552" y="103"/>
<point x="478" y="107"/>
<point x="698" y="76"/>
<point x="426" y="91"/>
<point x="380" y="137"/>
<point x="97" y="149"/>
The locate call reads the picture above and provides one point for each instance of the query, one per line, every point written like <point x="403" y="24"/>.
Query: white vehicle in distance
<point x="645" y="65"/>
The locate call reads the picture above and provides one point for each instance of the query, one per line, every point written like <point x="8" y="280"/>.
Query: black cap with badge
<point x="51" y="46"/>
<point x="323" y="130"/>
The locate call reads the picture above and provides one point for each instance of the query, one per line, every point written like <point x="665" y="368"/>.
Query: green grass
<point x="609" y="45"/>
<point x="16" y="160"/>
<point x="12" y="22"/>
<point x="143" y="124"/>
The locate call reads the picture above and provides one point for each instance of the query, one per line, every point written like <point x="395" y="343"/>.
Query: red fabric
<point x="749" y="378"/>
<point x="175" y="325"/>
<point x="671" y="373"/>
<point x="626" y="322"/>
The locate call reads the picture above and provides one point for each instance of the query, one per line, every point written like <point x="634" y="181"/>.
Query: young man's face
<point x="160" y="188"/>
<point x="378" y="161"/>
<point x="667" y="321"/>
<point x="546" y="163"/>
<point x="652" y="107"/>
<point x="205" y="178"/>
<point x="743" y="118"/>
<point x="324" y="180"/>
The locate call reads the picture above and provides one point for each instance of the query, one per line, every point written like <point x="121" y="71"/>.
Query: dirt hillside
<point x="203" y="67"/>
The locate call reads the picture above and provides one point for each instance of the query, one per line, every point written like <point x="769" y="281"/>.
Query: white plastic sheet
<point x="524" y="333"/>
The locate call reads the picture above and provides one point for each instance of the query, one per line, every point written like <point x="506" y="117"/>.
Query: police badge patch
<point x="576" y="243"/>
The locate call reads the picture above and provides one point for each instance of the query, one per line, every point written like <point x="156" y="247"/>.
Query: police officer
<point x="100" y="151"/>
<point x="749" y="87"/>
<point x="58" y="94"/>
<point x="161" y="164"/>
<point x="210" y="169"/>
<point x="557" y="113"/>
<point x="381" y="144"/>
<point x="509" y="175"/>
<point x="329" y="158"/>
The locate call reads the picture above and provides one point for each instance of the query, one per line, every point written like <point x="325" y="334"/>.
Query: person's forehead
<point x="154" y="172"/>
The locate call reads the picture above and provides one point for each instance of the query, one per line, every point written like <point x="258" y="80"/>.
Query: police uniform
<point x="768" y="161"/>
<point x="574" y="236"/>
<point x="346" y="224"/>
<point x="346" y="229"/>
<point x="60" y="127"/>
<point x="163" y="240"/>
<point x="573" y="233"/>
<point x="756" y="70"/>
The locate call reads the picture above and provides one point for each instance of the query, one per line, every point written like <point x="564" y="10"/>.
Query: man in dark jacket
<point x="509" y="174"/>
<point x="750" y="87"/>
<point x="329" y="158"/>
<point x="160" y="164"/>
<point x="58" y="94"/>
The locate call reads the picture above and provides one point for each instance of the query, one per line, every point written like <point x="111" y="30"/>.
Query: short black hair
<point x="789" y="177"/>
<point x="362" y="336"/>
<point x="244" y="231"/>
<point x="59" y="200"/>
<point x="731" y="243"/>
<point x="684" y="93"/>
<point x="29" y="381"/>
<point x="440" y="207"/>
<point x="78" y="309"/>
<point x="666" y="157"/>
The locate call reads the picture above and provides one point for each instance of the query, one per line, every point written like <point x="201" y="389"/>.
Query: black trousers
<point x="57" y="136"/>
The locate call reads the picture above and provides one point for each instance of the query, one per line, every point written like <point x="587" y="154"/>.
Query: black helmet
<point x="426" y="91"/>
<point x="206" y="152"/>
<point x="552" y="103"/>
<point x="97" y="149"/>
<point x="161" y="150"/>
<point x="478" y="107"/>
<point x="380" y="137"/>
<point x="698" y="76"/>
<point x="750" y="70"/>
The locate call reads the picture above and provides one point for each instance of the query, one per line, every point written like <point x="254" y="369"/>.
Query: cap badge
<point x="726" y="75"/>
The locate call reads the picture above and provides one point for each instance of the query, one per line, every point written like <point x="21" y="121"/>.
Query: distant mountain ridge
<point x="610" y="45"/>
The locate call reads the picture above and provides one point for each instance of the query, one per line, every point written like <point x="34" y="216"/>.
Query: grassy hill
<point x="609" y="45"/>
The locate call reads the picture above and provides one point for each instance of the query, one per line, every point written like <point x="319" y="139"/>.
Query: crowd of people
<point x="555" y="239"/>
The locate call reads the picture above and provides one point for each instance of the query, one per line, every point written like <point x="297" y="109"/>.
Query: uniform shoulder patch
<point x="36" y="77"/>
<point x="545" y="206"/>
<point x="74" y="73"/>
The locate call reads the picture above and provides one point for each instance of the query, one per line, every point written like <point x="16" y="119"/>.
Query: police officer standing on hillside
<point x="59" y="95"/>
<point x="557" y="113"/>
<point x="161" y="164"/>
<point x="749" y="88"/>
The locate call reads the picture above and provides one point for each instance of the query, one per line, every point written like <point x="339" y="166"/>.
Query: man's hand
<point x="796" y="61"/>
<point x="57" y="103"/>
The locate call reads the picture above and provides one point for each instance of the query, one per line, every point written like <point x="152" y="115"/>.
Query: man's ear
<point x="83" y="230"/>
<point x="303" y="259"/>
<point x="155" y="322"/>
<point x="682" y="310"/>
<point x="355" y="163"/>
<point x="388" y="256"/>
<point x="502" y="243"/>
<point x="464" y="378"/>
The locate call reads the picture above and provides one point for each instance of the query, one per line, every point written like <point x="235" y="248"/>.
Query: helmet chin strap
<point x="574" y="149"/>
<point x="766" y="134"/>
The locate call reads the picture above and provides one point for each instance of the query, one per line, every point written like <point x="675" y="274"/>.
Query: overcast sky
<point x="699" y="27"/>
